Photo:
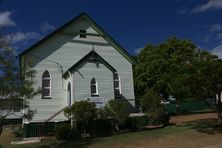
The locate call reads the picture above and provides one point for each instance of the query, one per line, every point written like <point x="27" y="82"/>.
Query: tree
<point x="82" y="112"/>
<point x="210" y="67"/>
<point x="13" y="91"/>
<point x="166" y="69"/>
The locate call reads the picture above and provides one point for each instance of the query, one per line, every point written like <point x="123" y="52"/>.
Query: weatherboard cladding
<point x="95" y="26"/>
<point x="83" y="77"/>
<point x="68" y="50"/>
<point x="91" y="56"/>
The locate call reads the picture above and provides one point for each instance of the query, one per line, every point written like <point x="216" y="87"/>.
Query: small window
<point x="117" y="86"/>
<point x="82" y="34"/>
<point x="94" y="87"/>
<point x="46" y="85"/>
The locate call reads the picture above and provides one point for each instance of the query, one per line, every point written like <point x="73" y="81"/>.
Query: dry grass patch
<point x="6" y="137"/>
<point x="183" y="119"/>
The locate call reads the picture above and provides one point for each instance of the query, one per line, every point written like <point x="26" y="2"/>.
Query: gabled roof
<point x="106" y="36"/>
<point x="91" y="56"/>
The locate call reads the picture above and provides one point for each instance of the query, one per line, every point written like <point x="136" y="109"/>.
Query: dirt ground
<point x="6" y="137"/>
<point x="188" y="118"/>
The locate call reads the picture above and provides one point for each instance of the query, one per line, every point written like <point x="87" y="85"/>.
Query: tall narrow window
<point x="117" y="86"/>
<point x="69" y="94"/>
<point x="94" y="87"/>
<point x="46" y="85"/>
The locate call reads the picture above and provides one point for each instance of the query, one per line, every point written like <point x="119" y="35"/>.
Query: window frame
<point x="96" y="85"/>
<point x="117" y="88"/>
<point x="47" y="87"/>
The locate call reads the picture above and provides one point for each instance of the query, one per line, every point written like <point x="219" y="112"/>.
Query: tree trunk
<point x="219" y="107"/>
<point x="1" y="126"/>
<point x="115" y="122"/>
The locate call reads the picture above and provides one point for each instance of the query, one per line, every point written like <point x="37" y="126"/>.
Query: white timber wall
<point x="67" y="50"/>
<point x="83" y="77"/>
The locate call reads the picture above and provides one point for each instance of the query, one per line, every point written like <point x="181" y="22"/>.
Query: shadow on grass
<point x="85" y="142"/>
<point x="81" y="143"/>
<point x="209" y="126"/>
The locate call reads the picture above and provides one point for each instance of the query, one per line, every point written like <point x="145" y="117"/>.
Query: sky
<point x="133" y="24"/>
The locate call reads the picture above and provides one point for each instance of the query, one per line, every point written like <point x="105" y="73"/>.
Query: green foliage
<point x="17" y="131"/>
<point x="119" y="110"/>
<point x="14" y="86"/>
<point x="178" y="68"/>
<point x="105" y="113"/>
<point x="103" y="127"/>
<point x="165" y="68"/>
<point x="64" y="132"/>
<point x="130" y="123"/>
<point x="151" y="104"/>
<point x="83" y="112"/>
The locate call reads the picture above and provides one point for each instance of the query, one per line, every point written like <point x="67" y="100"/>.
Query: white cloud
<point x="214" y="33"/>
<point x="46" y="27"/>
<point x="210" y="5"/>
<point x="183" y="11"/>
<point x="138" y="50"/>
<point x="219" y="35"/>
<point x="217" y="51"/>
<point x="5" y="19"/>
<point x="22" y="37"/>
<point x="215" y="28"/>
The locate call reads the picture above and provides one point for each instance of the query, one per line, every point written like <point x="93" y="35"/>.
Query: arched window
<point x="117" y="86"/>
<point x="94" y="87"/>
<point x="46" y="85"/>
<point x="69" y="94"/>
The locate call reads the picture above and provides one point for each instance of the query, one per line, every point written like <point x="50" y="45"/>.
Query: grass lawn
<point x="195" y="132"/>
<point x="113" y="141"/>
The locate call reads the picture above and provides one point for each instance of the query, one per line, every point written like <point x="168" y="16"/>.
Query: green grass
<point x="119" y="139"/>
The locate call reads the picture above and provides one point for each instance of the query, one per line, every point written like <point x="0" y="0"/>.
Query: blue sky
<point x="133" y="24"/>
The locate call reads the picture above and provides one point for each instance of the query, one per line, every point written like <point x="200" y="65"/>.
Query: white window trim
<point x="97" y="89"/>
<point x="50" y="85"/>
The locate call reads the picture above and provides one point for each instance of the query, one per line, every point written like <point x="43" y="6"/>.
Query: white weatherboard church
<point x="78" y="61"/>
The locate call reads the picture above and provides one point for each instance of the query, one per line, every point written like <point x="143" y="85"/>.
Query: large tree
<point x="166" y="68"/>
<point x="178" y="68"/>
<point x="210" y="84"/>
<point x="13" y="89"/>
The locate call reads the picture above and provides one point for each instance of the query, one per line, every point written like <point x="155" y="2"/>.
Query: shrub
<point x="130" y="123"/>
<point x="154" y="109"/>
<point x="64" y="132"/>
<point x="83" y="112"/>
<point x="103" y="127"/>
<point x="17" y="131"/>
<point x="136" y="122"/>
<point x="120" y="110"/>
<point x="164" y="119"/>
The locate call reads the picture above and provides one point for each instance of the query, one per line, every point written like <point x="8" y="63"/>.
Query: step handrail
<point x="50" y="118"/>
